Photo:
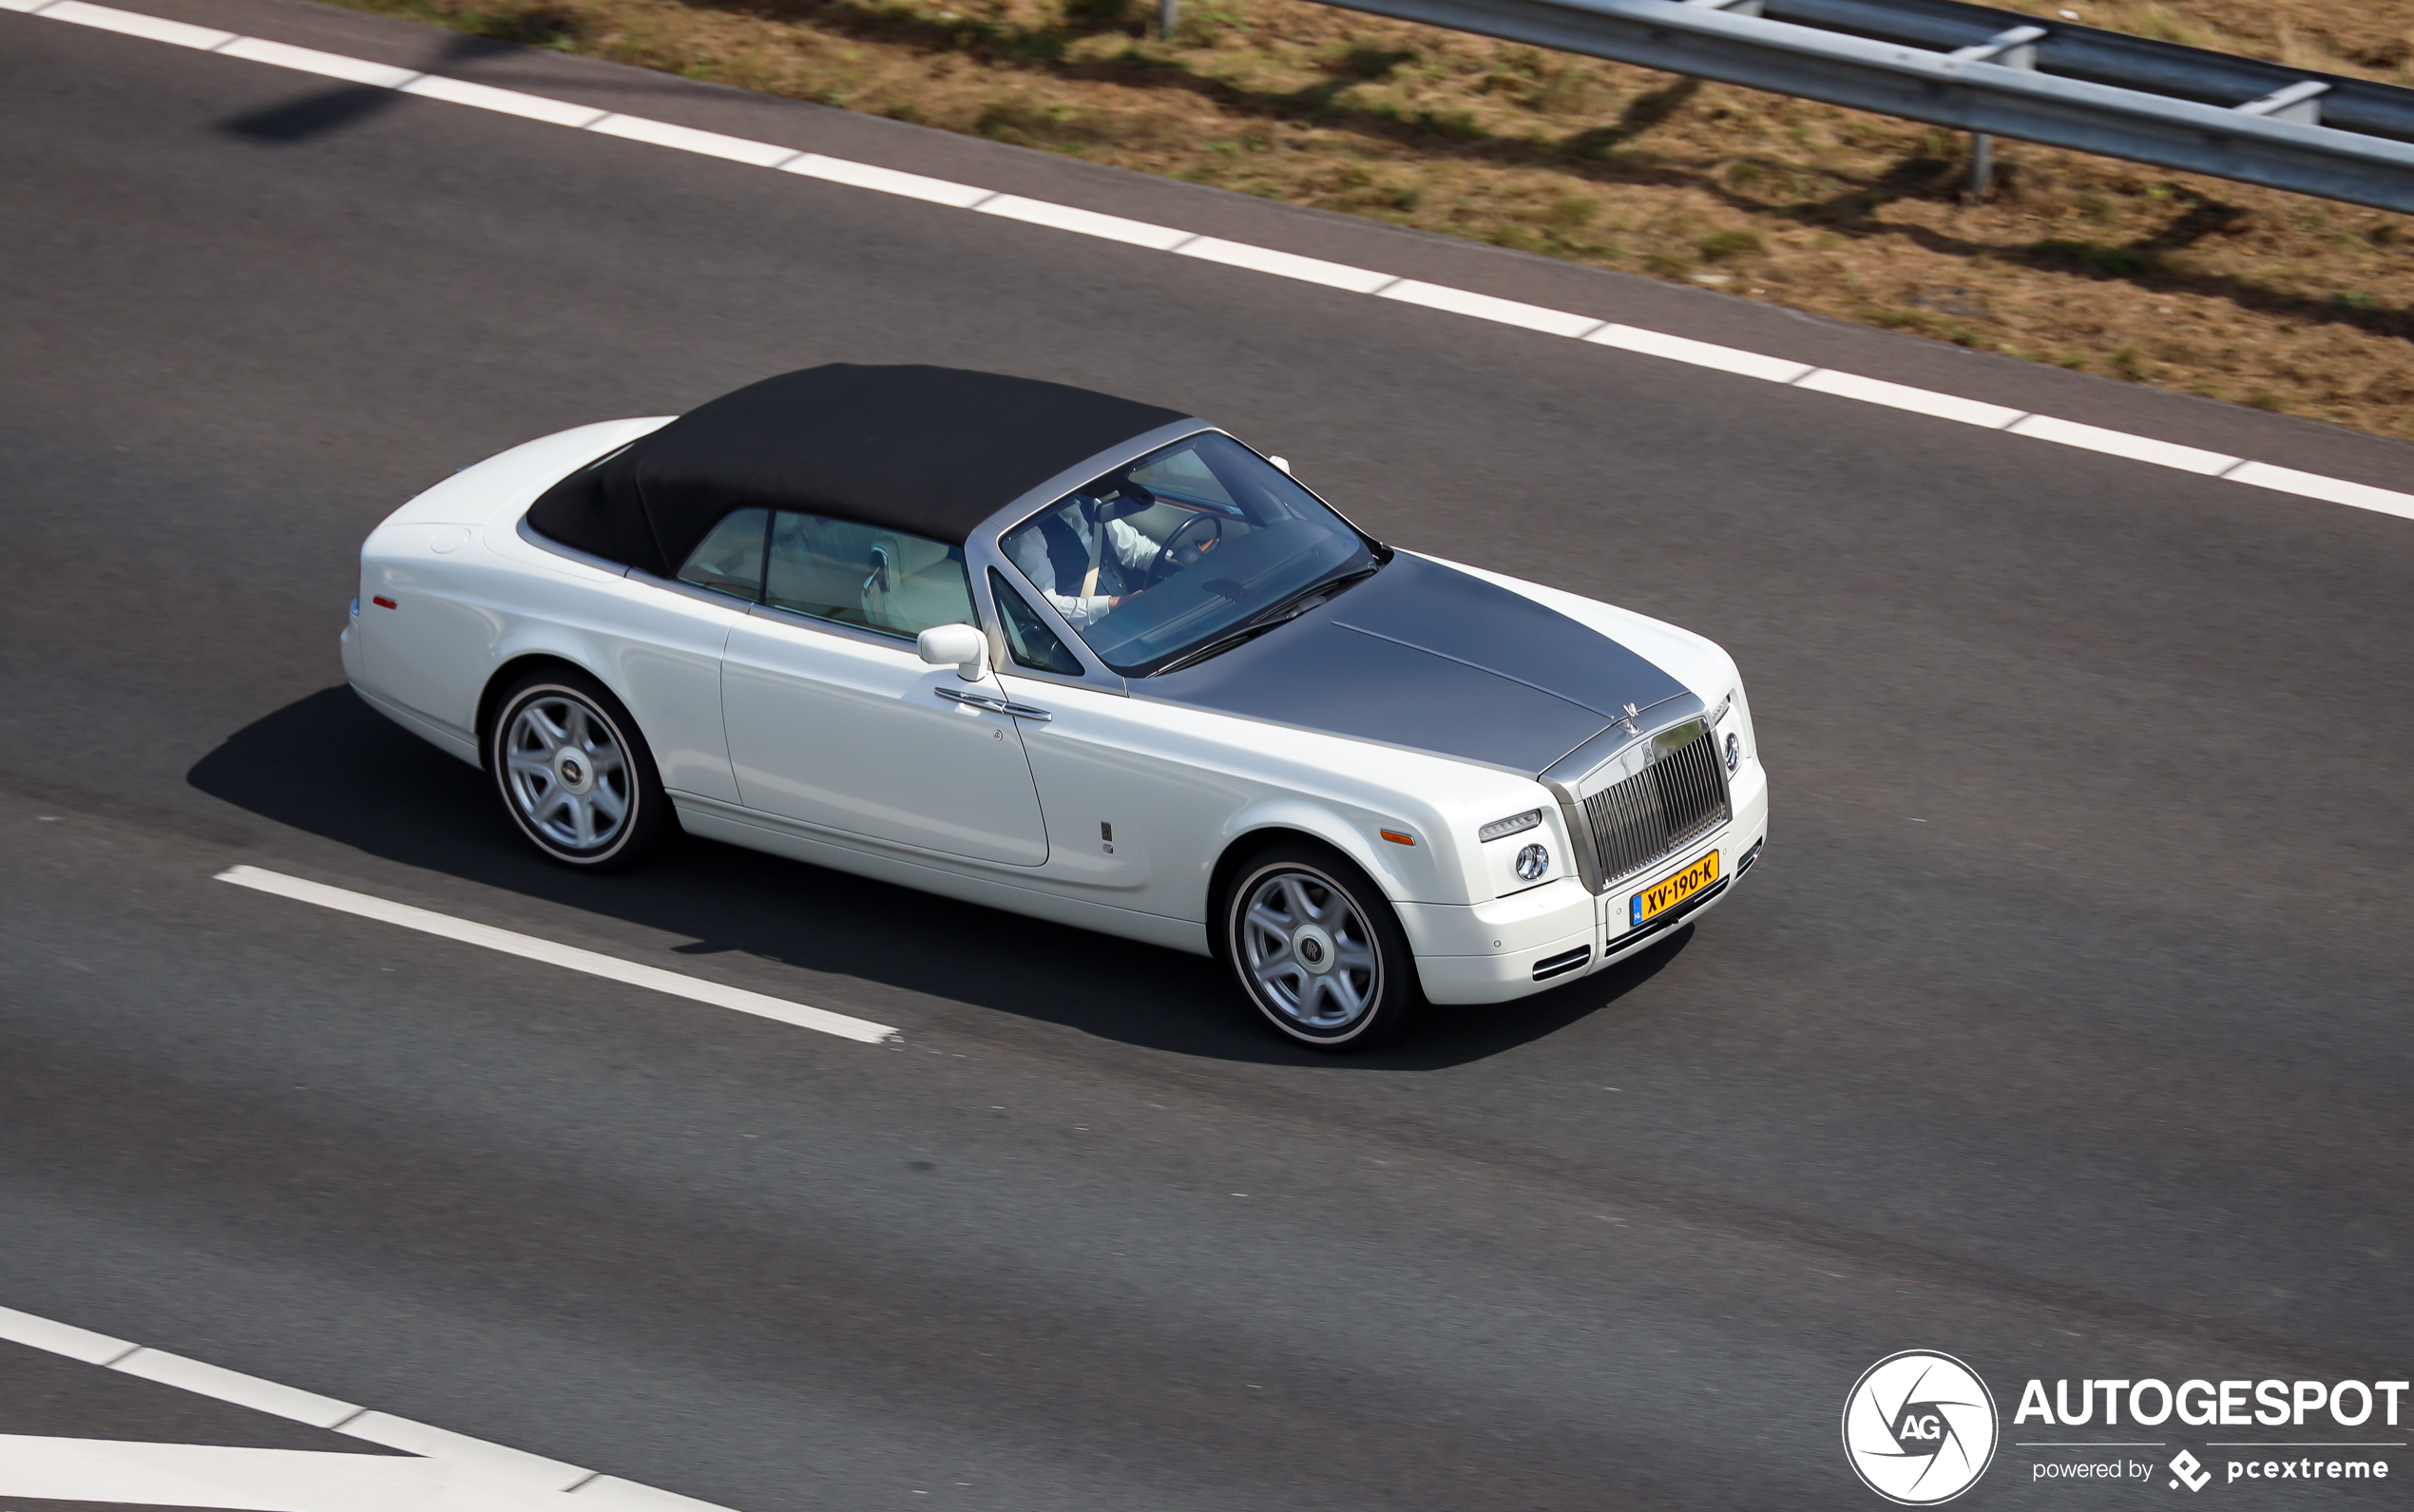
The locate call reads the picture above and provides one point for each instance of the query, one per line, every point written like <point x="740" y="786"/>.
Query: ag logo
<point x="1919" y="1428"/>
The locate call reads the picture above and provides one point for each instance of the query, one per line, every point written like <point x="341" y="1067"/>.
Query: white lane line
<point x="2121" y="444"/>
<point x="1485" y="307"/>
<point x="1239" y="255"/>
<point x="687" y="138"/>
<point x="1700" y="353"/>
<point x="1903" y="396"/>
<point x="1087" y="222"/>
<point x="207" y="1475"/>
<point x="310" y="60"/>
<point x="451" y="1472"/>
<point x="233" y="1385"/>
<point x="1287" y="265"/>
<point x="888" y="181"/>
<point x="515" y="1466"/>
<point x="154" y="29"/>
<point x="2314" y="486"/>
<point x="568" y="956"/>
<point x="62" y="1338"/>
<point x="507" y="101"/>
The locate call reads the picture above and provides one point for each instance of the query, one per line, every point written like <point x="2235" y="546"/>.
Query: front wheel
<point x="1317" y="948"/>
<point x="573" y="772"/>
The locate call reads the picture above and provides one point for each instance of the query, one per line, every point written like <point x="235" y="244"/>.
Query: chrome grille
<point x="1678" y="797"/>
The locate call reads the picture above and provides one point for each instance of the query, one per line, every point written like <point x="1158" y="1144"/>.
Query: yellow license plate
<point x="1667" y="893"/>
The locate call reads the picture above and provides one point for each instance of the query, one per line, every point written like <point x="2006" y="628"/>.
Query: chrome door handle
<point x="978" y="700"/>
<point x="994" y="705"/>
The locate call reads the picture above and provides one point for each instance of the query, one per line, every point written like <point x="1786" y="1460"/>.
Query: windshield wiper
<point x="1222" y="644"/>
<point x="1312" y="594"/>
<point x="1279" y="613"/>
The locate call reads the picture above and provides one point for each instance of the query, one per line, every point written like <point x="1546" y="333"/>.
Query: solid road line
<point x="568" y="956"/>
<point x="1238" y="255"/>
<point x="453" y="1471"/>
<point x="200" y="1475"/>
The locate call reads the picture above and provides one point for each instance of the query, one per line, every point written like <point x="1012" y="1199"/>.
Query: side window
<point x="1031" y="641"/>
<point x="865" y="575"/>
<point x="731" y="559"/>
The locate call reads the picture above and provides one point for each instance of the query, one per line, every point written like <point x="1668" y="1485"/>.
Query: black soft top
<point x="929" y="450"/>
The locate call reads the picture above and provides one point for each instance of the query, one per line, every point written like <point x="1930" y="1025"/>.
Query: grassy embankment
<point x="2194" y="284"/>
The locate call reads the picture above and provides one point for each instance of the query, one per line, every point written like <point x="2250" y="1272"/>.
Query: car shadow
<point x="333" y="767"/>
<point x="321" y="112"/>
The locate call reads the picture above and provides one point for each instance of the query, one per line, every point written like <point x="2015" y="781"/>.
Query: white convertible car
<point x="1072" y="656"/>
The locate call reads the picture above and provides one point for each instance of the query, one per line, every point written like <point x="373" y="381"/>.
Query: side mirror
<point x="1284" y="463"/>
<point x="962" y="645"/>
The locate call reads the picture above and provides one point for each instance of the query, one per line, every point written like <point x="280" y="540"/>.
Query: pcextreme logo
<point x="1919" y="1428"/>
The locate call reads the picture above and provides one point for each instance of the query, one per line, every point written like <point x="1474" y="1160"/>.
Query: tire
<point x="1294" y="902"/>
<point x="573" y="772"/>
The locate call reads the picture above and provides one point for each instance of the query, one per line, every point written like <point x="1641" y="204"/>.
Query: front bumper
<point x="1545" y="937"/>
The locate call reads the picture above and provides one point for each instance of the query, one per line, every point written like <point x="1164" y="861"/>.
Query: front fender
<point x="1406" y="873"/>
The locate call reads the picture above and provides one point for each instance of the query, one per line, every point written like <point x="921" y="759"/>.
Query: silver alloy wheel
<point x="1308" y="953"/>
<point x="566" y="772"/>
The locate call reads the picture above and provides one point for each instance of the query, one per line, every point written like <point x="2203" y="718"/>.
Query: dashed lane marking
<point x="687" y="138"/>
<point x="1086" y="222"/>
<point x="443" y="1471"/>
<point x="1904" y="396"/>
<point x="310" y="60"/>
<point x="1488" y="307"/>
<point x="1781" y="371"/>
<point x="569" y="957"/>
<point x="233" y="1385"/>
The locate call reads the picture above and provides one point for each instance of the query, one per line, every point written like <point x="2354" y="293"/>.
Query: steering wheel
<point x="1167" y="562"/>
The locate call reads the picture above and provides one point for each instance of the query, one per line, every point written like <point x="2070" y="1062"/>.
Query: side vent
<point x="1559" y="966"/>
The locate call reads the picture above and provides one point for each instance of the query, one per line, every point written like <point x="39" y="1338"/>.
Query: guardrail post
<point x="2015" y="49"/>
<point x="2300" y="102"/>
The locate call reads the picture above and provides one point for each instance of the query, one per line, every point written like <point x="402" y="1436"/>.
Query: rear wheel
<point x="1317" y="948"/>
<point x="573" y="772"/>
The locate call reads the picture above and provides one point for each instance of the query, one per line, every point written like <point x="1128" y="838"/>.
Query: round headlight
<point x="1532" y="862"/>
<point x="1734" y="751"/>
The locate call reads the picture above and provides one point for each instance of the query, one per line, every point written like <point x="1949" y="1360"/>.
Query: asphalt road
<point x="2063" y="1027"/>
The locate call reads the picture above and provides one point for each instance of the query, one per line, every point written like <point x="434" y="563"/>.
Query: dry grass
<point x="2195" y="284"/>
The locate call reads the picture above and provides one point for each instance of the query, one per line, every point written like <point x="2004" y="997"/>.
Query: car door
<point x="1137" y="803"/>
<point x="836" y="720"/>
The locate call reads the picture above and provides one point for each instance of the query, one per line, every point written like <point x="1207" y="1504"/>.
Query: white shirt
<point x="1134" y="550"/>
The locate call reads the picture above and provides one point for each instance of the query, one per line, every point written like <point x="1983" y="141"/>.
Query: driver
<point x="1063" y="556"/>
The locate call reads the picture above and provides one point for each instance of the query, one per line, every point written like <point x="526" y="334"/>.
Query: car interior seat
<point x="912" y="583"/>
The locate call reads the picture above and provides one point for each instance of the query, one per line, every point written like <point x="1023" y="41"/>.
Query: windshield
<point x="1179" y="548"/>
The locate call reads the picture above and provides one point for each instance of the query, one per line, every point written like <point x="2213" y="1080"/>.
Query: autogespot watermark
<point x="1920" y="1427"/>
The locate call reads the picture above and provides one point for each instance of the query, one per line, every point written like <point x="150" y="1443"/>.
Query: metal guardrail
<point x="2001" y="72"/>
